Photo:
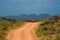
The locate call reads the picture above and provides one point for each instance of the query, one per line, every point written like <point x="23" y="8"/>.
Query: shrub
<point x="49" y="31"/>
<point x="5" y="26"/>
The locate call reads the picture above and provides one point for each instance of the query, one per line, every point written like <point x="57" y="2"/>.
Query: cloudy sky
<point x="16" y="7"/>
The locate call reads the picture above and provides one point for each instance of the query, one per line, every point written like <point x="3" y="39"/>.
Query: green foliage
<point x="49" y="31"/>
<point x="8" y="24"/>
<point x="58" y="37"/>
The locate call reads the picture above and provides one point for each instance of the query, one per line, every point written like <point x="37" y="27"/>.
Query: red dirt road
<point x="26" y="32"/>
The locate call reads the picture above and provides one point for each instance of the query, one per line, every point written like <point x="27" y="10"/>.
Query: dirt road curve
<point x="26" y="32"/>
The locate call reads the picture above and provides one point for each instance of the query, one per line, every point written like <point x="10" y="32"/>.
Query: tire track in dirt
<point x="26" y="32"/>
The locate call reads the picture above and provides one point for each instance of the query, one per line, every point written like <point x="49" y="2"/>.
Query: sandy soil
<point x="26" y="32"/>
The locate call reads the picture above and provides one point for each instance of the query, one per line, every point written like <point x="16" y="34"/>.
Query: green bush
<point x="49" y="31"/>
<point x="6" y="25"/>
<point x="58" y="37"/>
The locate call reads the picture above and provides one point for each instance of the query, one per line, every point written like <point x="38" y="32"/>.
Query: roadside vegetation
<point x="49" y="29"/>
<point x="8" y="24"/>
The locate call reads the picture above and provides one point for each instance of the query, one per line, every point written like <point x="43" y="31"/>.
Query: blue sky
<point x="16" y="7"/>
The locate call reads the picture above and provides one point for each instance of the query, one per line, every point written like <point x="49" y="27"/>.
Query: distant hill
<point x="4" y="20"/>
<point x="44" y="16"/>
<point x="57" y="14"/>
<point x="29" y="17"/>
